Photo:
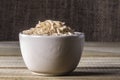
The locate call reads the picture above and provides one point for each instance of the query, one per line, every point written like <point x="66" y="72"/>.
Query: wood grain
<point x="89" y="68"/>
<point x="98" y="19"/>
<point x="96" y="49"/>
<point x="100" y="61"/>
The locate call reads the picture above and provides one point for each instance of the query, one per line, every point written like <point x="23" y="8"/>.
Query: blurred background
<point x="98" y="19"/>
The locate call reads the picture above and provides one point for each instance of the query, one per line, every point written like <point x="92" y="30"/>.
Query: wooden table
<point x="100" y="61"/>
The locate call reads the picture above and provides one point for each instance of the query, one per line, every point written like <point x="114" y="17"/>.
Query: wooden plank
<point x="91" y="49"/>
<point x="9" y="48"/>
<point x="99" y="54"/>
<point x="95" y="64"/>
<point x="78" y="72"/>
<point x="85" y="74"/>
<point x="59" y="78"/>
<point x="17" y="61"/>
<point x="95" y="68"/>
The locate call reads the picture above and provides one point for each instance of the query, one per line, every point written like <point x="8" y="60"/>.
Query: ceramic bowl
<point x="51" y="55"/>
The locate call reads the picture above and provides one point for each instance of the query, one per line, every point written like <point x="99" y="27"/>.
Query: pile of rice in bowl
<point x="49" y="27"/>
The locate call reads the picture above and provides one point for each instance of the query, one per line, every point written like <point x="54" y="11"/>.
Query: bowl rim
<point x="74" y="35"/>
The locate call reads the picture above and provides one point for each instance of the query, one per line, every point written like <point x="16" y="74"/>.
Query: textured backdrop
<point x="98" y="19"/>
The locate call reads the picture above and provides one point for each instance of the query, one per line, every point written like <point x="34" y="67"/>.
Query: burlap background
<point x="98" y="19"/>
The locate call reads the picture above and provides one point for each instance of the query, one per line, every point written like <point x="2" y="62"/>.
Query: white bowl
<point x="51" y="55"/>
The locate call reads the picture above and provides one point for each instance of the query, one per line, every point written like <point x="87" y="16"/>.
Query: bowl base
<point x="47" y="74"/>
